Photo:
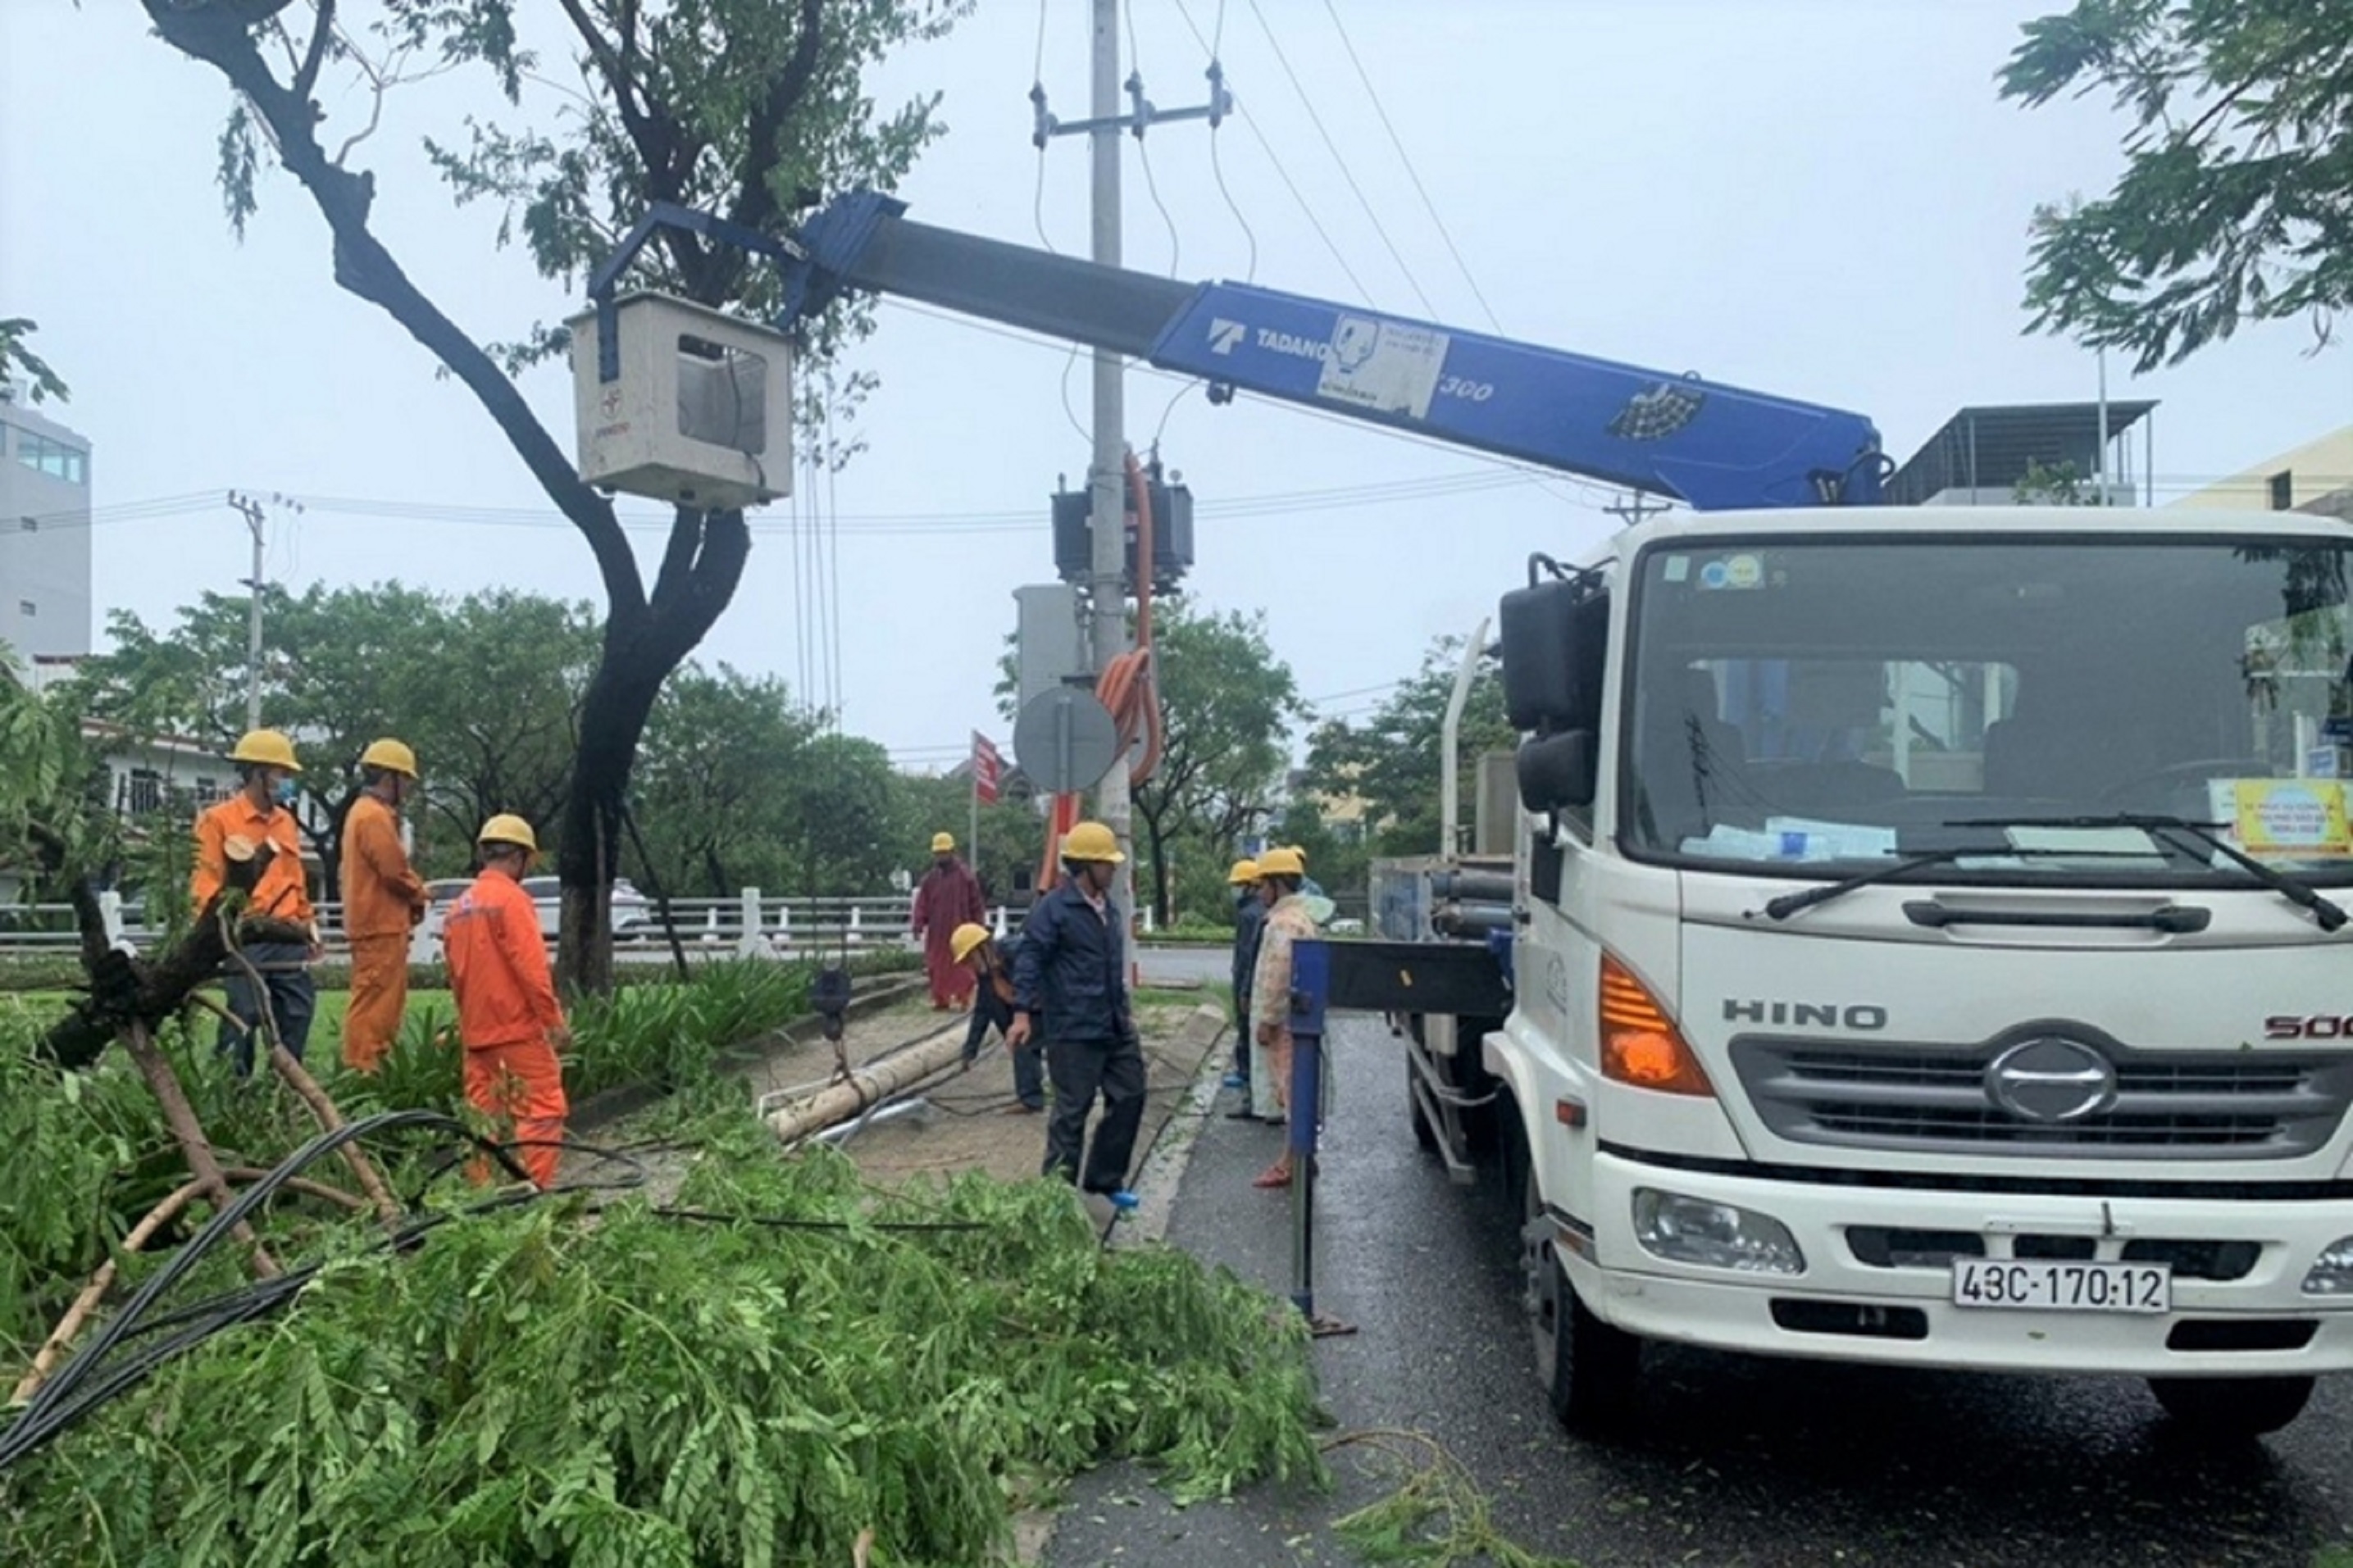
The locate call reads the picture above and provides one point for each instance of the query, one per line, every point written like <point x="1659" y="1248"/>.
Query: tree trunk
<point x="1159" y="866"/>
<point x="701" y="566"/>
<point x="646" y="636"/>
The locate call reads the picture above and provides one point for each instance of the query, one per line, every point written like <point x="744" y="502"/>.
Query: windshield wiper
<point x="1788" y="904"/>
<point x="2325" y="912"/>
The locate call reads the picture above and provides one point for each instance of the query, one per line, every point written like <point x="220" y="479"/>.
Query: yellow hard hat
<point x="1244" y="873"/>
<point x="964" y="938"/>
<point x="506" y="828"/>
<point x="1092" y="841"/>
<point x="267" y="747"/>
<point x="1295" y="849"/>
<point x="943" y="843"/>
<point x="390" y="754"/>
<point x="1281" y="863"/>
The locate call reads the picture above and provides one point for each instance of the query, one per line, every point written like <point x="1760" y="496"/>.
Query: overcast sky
<point x="1823" y="200"/>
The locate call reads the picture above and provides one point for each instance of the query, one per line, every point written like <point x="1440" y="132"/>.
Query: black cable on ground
<point x="62" y="1400"/>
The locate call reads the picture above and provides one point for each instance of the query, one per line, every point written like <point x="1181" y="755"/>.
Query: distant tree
<point x="486" y="689"/>
<point x="2054" y="484"/>
<point x="710" y="798"/>
<point x="1338" y="854"/>
<point x="2236" y="199"/>
<point x="728" y="106"/>
<point x="16" y="357"/>
<point x="1226" y="703"/>
<point x="839" y="795"/>
<point x="1390" y="761"/>
<point x="1012" y="834"/>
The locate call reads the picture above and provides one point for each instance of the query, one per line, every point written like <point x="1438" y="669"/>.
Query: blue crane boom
<point x="1711" y="446"/>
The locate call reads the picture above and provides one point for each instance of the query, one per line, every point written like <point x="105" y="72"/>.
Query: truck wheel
<point x="1590" y="1370"/>
<point x="2232" y="1407"/>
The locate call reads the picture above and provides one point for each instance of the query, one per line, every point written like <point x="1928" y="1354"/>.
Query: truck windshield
<point x="1819" y="706"/>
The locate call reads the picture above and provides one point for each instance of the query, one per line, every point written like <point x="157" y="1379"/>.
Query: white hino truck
<point x="1921" y="940"/>
<point x="1927" y="949"/>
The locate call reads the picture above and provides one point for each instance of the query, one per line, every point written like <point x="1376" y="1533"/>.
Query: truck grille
<point x="2181" y="1105"/>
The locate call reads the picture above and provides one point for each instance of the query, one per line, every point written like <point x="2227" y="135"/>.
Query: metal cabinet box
<point x="701" y="412"/>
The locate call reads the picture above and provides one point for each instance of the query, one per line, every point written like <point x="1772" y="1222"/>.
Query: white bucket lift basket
<point x="700" y="414"/>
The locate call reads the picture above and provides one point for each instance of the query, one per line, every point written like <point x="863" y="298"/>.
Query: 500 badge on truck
<point x="2318" y="1026"/>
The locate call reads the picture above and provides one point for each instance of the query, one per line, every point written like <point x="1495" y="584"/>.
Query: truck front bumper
<point x="1844" y="1307"/>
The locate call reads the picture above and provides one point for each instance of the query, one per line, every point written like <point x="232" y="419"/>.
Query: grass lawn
<point x="326" y="1042"/>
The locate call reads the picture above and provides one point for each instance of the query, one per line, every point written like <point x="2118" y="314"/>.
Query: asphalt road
<point x="1184" y="965"/>
<point x="1735" y="1460"/>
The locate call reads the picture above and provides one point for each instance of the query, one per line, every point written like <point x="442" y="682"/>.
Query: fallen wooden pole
<point x="867" y="1085"/>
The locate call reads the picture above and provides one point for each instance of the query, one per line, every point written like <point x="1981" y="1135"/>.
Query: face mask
<point x="284" y="792"/>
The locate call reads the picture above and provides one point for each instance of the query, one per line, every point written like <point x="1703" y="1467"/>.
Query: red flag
<point x="987" y="769"/>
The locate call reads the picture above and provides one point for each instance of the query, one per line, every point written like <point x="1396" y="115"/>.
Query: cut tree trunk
<point x="127" y="992"/>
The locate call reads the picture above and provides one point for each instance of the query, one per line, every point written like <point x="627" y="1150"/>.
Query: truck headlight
<point x="2331" y="1274"/>
<point x="1715" y="1235"/>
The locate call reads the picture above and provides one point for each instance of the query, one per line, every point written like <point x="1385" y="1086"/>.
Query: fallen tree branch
<point x="54" y="1347"/>
<point x="61" y="1337"/>
<point x="306" y="1088"/>
<point x="193" y="1146"/>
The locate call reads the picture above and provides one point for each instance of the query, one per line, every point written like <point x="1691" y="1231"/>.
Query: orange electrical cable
<point x="1129" y="688"/>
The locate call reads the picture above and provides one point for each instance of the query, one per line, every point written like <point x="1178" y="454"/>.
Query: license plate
<point x="2054" y="1287"/>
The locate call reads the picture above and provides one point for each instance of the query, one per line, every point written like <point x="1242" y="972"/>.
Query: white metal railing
<point x="750" y="925"/>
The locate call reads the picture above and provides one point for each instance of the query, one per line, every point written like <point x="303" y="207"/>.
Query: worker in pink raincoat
<point x="947" y="896"/>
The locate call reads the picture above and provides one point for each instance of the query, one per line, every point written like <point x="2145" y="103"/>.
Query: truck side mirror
<point x="1556" y="637"/>
<point x="1559" y="772"/>
<point x="1539" y="664"/>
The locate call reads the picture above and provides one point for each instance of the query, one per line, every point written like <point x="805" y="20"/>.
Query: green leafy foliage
<point x="732" y="107"/>
<point x="2232" y="203"/>
<point x="670" y="1036"/>
<point x="1388" y="764"/>
<point x="1437" y="1516"/>
<point x="524" y="1388"/>
<point x="15" y="358"/>
<point x="90" y="1155"/>
<point x="485" y="688"/>
<point x="2054" y="484"/>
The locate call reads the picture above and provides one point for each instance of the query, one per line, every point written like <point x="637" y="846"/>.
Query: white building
<point x="2316" y="477"/>
<point x="45" y="528"/>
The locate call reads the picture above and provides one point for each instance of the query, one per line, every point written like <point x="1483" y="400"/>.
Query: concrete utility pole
<point x="1108" y="478"/>
<point x="250" y="510"/>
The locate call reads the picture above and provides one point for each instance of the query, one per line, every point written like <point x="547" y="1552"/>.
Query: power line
<point x="1347" y="173"/>
<point x="1144" y="144"/>
<point x="1545" y="478"/>
<point x="1373" y="95"/>
<point x="1242" y="111"/>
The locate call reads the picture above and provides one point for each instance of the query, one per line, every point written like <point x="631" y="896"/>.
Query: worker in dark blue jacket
<point x="1250" y="918"/>
<point x="1069" y="991"/>
<point x="992" y="1008"/>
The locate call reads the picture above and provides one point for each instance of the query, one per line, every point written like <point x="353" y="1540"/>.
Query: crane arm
<point x="1712" y="446"/>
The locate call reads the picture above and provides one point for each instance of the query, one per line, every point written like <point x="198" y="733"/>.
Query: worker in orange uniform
<point x="510" y="1024"/>
<point x="383" y="899"/>
<point x="275" y="932"/>
<point x="947" y="896"/>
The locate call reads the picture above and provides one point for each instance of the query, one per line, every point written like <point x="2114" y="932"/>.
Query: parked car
<point x="631" y="912"/>
<point x="439" y="894"/>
